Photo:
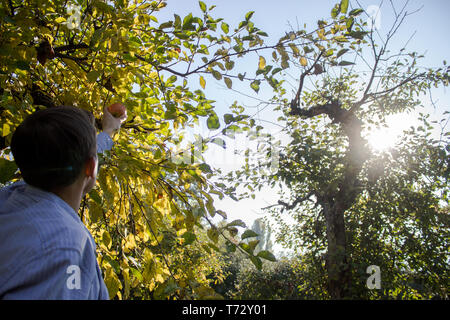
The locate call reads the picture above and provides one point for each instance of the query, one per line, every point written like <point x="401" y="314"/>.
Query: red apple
<point x="117" y="109"/>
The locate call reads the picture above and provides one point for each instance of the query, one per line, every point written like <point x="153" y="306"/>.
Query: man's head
<point x="55" y="147"/>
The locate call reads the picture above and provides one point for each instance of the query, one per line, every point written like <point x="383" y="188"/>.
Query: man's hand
<point x="111" y="124"/>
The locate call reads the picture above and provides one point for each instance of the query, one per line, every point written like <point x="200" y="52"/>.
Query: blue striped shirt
<point x="46" y="252"/>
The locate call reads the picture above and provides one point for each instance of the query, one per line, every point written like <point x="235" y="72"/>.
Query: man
<point x="46" y="252"/>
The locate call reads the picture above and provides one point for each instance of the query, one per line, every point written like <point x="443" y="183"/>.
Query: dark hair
<point x="51" y="146"/>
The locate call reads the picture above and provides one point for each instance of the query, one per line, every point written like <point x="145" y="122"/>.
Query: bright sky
<point x="430" y="27"/>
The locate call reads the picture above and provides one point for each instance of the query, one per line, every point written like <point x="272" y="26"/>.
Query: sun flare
<point x="382" y="138"/>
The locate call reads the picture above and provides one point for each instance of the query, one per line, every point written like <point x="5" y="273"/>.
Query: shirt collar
<point x="39" y="194"/>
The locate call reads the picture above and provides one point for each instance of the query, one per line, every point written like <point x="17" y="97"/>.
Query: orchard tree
<point x="354" y="207"/>
<point x="149" y="211"/>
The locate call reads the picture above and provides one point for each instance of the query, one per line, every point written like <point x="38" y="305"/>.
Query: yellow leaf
<point x="262" y="62"/>
<point x="129" y="243"/>
<point x="202" y="82"/>
<point x="321" y="34"/>
<point x="6" y="130"/>
<point x="303" y="61"/>
<point x="60" y="20"/>
<point x="106" y="239"/>
<point x="112" y="283"/>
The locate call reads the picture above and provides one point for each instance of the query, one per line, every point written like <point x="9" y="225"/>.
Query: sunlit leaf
<point x="213" y="122"/>
<point x="344" y="6"/>
<point x="262" y="62"/>
<point x="202" y="6"/>
<point x="255" y="85"/>
<point x="202" y="82"/>
<point x="303" y="61"/>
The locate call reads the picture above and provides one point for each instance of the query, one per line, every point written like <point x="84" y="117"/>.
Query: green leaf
<point x="216" y="74"/>
<point x="220" y="142"/>
<point x="231" y="247"/>
<point x="93" y="194"/>
<point x="262" y="33"/>
<point x="229" y="65"/>
<point x="7" y="170"/>
<point x="257" y="262"/>
<point x="95" y="37"/>
<point x="349" y="23"/>
<point x="93" y="76"/>
<point x="228" y="118"/>
<point x="228" y="82"/>
<point x="335" y="11"/>
<point x="355" y="12"/>
<point x="233" y="231"/>
<point x="222" y="213"/>
<point x="357" y="34"/>
<point x="187" y="22"/>
<point x="225" y="27"/>
<point x="246" y="248"/>
<point x="255" y="85"/>
<point x="344" y="6"/>
<point x="266" y="255"/>
<point x="137" y="274"/>
<point x="249" y="234"/>
<point x="252" y="245"/>
<point x="213" y="122"/>
<point x="237" y="222"/>
<point x="249" y="15"/>
<point x="189" y="238"/>
<point x="106" y="239"/>
<point x="345" y="63"/>
<point x="213" y="234"/>
<point x="276" y="70"/>
<point x="177" y="21"/>
<point x="165" y="25"/>
<point x="341" y="52"/>
<point x="202" y="6"/>
<point x="204" y="167"/>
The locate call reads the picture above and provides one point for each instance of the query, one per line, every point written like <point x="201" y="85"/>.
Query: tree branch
<point x="293" y="204"/>
<point x="71" y="47"/>
<point x="296" y="101"/>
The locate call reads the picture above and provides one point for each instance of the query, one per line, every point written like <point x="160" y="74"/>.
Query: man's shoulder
<point x="41" y="222"/>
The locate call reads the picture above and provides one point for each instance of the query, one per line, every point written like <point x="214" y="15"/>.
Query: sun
<point x="384" y="137"/>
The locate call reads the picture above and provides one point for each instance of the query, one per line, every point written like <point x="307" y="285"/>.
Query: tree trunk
<point x="336" y="200"/>
<point x="337" y="260"/>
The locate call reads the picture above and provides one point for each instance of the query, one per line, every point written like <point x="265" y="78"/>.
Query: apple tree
<point x="351" y="206"/>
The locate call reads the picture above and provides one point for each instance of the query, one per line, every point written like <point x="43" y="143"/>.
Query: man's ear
<point x="90" y="168"/>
